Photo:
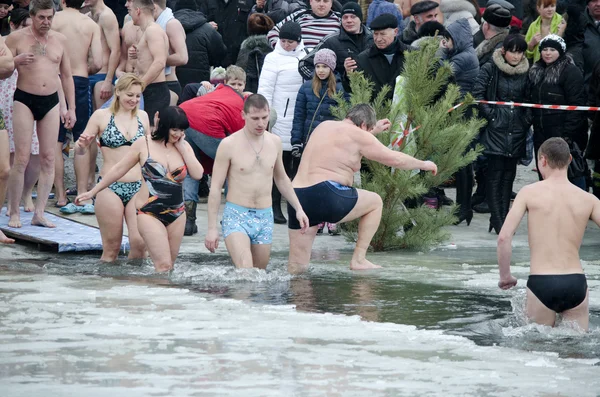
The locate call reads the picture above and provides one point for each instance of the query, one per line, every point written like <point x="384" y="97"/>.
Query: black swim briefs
<point x="39" y="105"/>
<point x="327" y="201"/>
<point x="558" y="292"/>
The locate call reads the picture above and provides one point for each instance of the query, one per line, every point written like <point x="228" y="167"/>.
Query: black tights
<point x="500" y="177"/>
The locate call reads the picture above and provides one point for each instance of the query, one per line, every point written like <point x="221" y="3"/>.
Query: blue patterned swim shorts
<point x="255" y="223"/>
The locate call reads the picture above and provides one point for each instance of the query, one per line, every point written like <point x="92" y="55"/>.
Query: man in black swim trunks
<point x="40" y="57"/>
<point x="557" y="214"/>
<point x="325" y="176"/>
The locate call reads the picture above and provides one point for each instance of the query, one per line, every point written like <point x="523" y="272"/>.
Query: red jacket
<point x="217" y="114"/>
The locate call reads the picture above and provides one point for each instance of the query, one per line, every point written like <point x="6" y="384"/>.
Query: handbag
<point x="578" y="166"/>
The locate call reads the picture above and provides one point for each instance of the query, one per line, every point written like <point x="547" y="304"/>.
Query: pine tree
<point x="423" y="127"/>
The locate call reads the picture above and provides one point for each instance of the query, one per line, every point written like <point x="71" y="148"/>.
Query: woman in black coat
<point x="503" y="138"/>
<point x="593" y="148"/>
<point x="555" y="80"/>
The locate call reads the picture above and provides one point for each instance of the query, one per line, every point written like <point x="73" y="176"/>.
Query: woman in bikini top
<point x="117" y="128"/>
<point x="165" y="160"/>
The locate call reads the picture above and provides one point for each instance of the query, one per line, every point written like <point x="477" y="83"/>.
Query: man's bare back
<point x="82" y="35"/>
<point x="38" y="75"/>
<point x="332" y="154"/>
<point x="558" y="214"/>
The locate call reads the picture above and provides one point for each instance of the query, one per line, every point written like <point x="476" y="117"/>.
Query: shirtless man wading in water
<point x="324" y="180"/>
<point x="151" y="56"/>
<point x="250" y="159"/>
<point x="557" y="215"/>
<point x="40" y="57"/>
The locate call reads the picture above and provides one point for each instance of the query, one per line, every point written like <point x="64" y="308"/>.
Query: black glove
<point x="297" y="149"/>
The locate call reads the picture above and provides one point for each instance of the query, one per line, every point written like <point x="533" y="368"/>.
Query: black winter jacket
<point x="376" y="67"/>
<point x="506" y="130"/>
<point x="591" y="47"/>
<point x="205" y="47"/>
<point x="251" y="58"/>
<point x="231" y="18"/>
<point x="344" y="46"/>
<point x="560" y="83"/>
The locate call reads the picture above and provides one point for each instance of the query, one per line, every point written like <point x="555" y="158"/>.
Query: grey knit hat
<point x="326" y="57"/>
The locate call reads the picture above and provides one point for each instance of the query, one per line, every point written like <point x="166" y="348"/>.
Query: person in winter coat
<point x="231" y="18"/>
<point x="279" y="83"/>
<point x="495" y="29"/>
<point x="354" y="38"/>
<point x="313" y="104"/>
<point x="555" y="80"/>
<point x="254" y="49"/>
<point x="549" y="22"/>
<point x="504" y="136"/>
<point x="457" y="48"/>
<point x="591" y="54"/>
<point x="593" y="148"/>
<point x="378" y="7"/>
<point x="205" y="45"/>
<point x="454" y="10"/>
<point x="383" y="62"/>
<point x="212" y="117"/>
<point x="277" y="10"/>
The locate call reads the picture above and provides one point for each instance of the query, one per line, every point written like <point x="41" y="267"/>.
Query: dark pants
<point x="290" y="163"/>
<point x="501" y="174"/>
<point x="156" y="98"/>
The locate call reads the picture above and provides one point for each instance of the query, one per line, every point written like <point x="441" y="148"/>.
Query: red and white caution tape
<point x="539" y="106"/>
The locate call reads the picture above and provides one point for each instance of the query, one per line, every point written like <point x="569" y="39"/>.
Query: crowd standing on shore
<point x="175" y="90"/>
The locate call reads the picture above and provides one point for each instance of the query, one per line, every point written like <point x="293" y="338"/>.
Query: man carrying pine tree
<point x="323" y="183"/>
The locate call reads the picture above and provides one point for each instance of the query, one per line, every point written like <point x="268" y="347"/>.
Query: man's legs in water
<point x="47" y="129"/>
<point x="238" y="246"/>
<point x="368" y="208"/>
<point x="538" y="313"/>
<point x="4" y="173"/>
<point x="23" y="122"/>
<point x="300" y="249"/>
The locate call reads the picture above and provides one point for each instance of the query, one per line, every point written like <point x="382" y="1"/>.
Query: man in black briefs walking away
<point x="151" y="54"/>
<point x="557" y="215"/>
<point x="40" y="57"/>
<point x="323" y="183"/>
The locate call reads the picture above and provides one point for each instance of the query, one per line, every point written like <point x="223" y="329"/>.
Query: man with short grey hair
<point x="495" y="29"/>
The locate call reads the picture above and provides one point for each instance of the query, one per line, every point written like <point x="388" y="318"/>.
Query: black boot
<point x="203" y="190"/>
<point x="190" y="218"/>
<point x="464" y="189"/>
<point x="494" y="199"/>
<point x="479" y="196"/>
<point x="277" y="213"/>
<point x="442" y="198"/>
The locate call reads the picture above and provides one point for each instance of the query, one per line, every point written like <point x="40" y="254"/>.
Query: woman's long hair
<point x="171" y="117"/>
<point x="317" y="85"/>
<point x="125" y="83"/>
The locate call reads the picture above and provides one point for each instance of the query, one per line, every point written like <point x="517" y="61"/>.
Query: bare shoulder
<point x="107" y="17"/>
<point x="174" y="24"/>
<point x="54" y="35"/>
<point x="155" y="30"/>
<point x="100" y="116"/>
<point x="274" y="138"/>
<point x="15" y="37"/>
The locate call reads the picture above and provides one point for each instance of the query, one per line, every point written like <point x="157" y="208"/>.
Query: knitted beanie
<point x="326" y="57"/>
<point x="553" y="41"/>
<point x="291" y="31"/>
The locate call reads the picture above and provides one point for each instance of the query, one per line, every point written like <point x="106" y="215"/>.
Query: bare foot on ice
<point x="41" y="221"/>
<point x="363" y="265"/>
<point x="5" y="240"/>
<point x="14" y="221"/>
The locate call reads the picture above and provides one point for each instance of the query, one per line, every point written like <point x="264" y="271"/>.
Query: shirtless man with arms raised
<point x="40" y="56"/>
<point x="83" y="36"/>
<point x="151" y="56"/>
<point x="557" y="215"/>
<point x="324" y="180"/>
<point x="250" y="160"/>
<point x="7" y="66"/>
<point x="178" y="54"/>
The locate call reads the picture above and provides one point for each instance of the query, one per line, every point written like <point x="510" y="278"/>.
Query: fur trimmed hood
<point x="490" y="45"/>
<point x="452" y="6"/>
<point x="257" y="41"/>
<point x="549" y="74"/>
<point x="521" y="68"/>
